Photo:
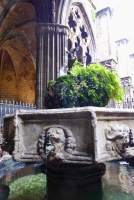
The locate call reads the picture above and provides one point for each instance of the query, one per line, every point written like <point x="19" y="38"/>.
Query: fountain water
<point x="73" y="144"/>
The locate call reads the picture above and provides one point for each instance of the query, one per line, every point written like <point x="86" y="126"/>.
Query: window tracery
<point x="80" y="34"/>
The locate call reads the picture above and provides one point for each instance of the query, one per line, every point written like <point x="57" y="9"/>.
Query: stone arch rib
<point x="63" y="8"/>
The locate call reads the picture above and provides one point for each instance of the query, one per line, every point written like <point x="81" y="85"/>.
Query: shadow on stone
<point x="69" y="190"/>
<point x="4" y="192"/>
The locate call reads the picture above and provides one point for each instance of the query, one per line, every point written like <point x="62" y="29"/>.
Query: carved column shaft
<point x="51" y="56"/>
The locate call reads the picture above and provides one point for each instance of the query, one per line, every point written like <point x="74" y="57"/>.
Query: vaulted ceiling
<point x="18" y="44"/>
<point x="18" y="19"/>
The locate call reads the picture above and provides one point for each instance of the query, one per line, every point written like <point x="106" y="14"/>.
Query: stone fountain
<point x="73" y="143"/>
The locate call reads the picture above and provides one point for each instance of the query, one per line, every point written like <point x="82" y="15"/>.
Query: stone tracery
<point x="80" y="34"/>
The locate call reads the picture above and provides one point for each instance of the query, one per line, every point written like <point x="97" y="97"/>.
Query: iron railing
<point x="128" y="104"/>
<point x="8" y="108"/>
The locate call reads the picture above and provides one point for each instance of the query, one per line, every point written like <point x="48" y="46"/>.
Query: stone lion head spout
<point x="58" y="141"/>
<point x="56" y="135"/>
<point x="116" y="137"/>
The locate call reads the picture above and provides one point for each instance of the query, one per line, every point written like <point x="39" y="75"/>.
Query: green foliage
<point x="51" y="82"/>
<point x="91" y="86"/>
<point x="28" y="187"/>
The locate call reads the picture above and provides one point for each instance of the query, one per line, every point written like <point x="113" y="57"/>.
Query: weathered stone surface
<point x="78" y="135"/>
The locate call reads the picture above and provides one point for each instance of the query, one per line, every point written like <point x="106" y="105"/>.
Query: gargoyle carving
<point x="117" y="140"/>
<point x="61" y="140"/>
<point x="72" y="56"/>
<point x="58" y="143"/>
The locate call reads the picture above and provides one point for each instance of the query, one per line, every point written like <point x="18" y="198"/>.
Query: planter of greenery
<point x="91" y="86"/>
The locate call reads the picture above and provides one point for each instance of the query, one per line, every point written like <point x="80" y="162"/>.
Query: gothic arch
<point x="8" y="79"/>
<point x="62" y="11"/>
<point x="17" y="79"/>
<point x="7" y="6"/>
<point x="22" y="38"/>
<point x="17" y="38"/>
<point x="81" y="31"/>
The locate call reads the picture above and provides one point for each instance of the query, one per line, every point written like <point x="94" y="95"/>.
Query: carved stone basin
<point x="76" y="137"/>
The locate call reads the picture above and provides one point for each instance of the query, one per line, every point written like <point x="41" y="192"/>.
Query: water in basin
<point x="27" y="182"/>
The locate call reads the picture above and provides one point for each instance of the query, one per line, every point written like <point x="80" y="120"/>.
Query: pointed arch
<point x="63" y="11"/>
<point x="7" y="6"/>
<point x="8" y="89"/>
<point x="81" y="31"/>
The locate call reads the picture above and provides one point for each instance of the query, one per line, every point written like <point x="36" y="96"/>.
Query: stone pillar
<point x="131" y="64"/>
<point x="51" y="56"/>
<point x="84" y="60"/>
<point x="122" y="48"/>
<point x="106" y="53"/>
<point x="109" y="63"/>
<point x="127" y="84"/>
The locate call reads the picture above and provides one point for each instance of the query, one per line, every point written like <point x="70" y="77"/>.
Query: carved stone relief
<point x="117" y="140"/>
<point x="126" y="81"/>
<point x="58" y="143"/>
<point x="88" y="135"/>
<point x="61" y="140"/>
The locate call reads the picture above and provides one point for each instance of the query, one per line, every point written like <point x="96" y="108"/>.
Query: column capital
<point x="126" y="81"/>
<point x="51" y="28"/>
<point x="104" y="11"/>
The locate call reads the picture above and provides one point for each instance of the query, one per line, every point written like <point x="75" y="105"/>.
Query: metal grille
<point x="8" y="108"/>
<point x="128" y="104"/>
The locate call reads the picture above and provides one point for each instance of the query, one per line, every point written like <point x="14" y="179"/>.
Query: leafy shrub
<point x="28" y="187"/>
<point x="91" y="86"/>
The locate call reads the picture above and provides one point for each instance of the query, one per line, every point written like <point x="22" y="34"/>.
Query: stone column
<point x="106" y="53"/>
<point x="51" y="56"/>
<point x="84" y="60"/>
